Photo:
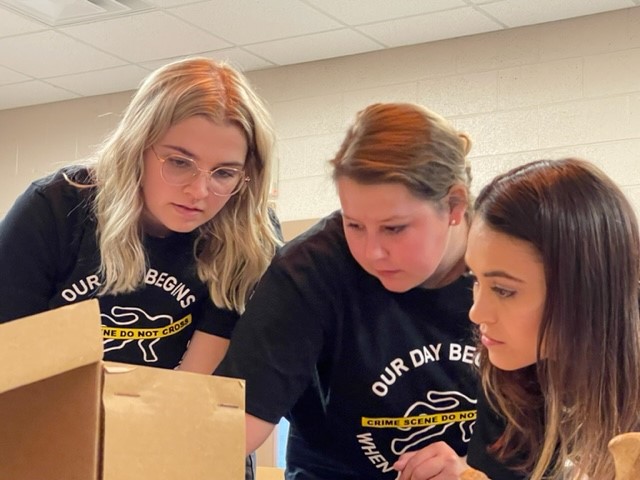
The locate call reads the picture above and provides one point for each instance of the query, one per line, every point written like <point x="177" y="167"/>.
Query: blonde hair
<point x="407" y="144"/>
<point x="234" y="248"/>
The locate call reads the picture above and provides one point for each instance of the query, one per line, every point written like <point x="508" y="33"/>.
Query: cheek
<point x="527" y="330"/>
<point x="152" y="192"/>
<point x="150" y="177"/>
<point x="215" y="205"/>
<point x="420" y="251"/>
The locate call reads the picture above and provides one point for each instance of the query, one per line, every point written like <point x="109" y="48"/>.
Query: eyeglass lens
<point x="221" y="181"/>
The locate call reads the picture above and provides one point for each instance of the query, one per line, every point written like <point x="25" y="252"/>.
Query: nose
<point x="373" y="248"/>
<point x="480" y="312"/>
<point x="199" y="187"/>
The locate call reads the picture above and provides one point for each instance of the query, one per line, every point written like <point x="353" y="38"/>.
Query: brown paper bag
<point x="625" y="449"/>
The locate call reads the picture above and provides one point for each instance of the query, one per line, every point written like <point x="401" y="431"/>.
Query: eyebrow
<point x="501" y="274"/>
<point x="191" y="156"/>
<point x="182" y="150"/>
<point x="395" y="218"/>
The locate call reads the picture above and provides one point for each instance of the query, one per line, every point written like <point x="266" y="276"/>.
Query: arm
<point x="275" y="347"/>
<point x="204" y="353"/>
<point x="257" y="431"/>
<point x="281" y="335"/>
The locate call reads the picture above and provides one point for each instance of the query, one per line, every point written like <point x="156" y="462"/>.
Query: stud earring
<point x="453" y="222"/>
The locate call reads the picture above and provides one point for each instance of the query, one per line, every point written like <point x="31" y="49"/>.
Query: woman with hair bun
<point x="358" y="331"/>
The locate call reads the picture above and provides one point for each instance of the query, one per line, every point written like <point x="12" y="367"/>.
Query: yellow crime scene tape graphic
<point x="418" y="420"/>
<point x="119" y="333"/>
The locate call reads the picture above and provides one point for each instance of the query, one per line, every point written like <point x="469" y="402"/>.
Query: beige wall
<point x="34" y="141"/>
<point x="551" y="90"/>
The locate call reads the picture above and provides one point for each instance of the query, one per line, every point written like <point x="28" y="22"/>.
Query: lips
<point x="187" y="209"/>
<point x="188" y="214"/>
<point x="385" y="273"/>
<point x="489" y="342"/>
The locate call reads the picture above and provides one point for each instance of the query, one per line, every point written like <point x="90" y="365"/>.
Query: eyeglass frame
<point x="241" y="182"/>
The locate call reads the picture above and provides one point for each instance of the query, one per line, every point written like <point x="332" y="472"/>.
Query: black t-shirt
<point x="363" y="374"/>
<point x="49" y="258"/>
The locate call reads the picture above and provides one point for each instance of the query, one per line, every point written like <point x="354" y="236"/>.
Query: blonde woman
<point x="167" y="225"/>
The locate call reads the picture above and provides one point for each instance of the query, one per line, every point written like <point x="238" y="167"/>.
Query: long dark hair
<point x="587" y="388"/>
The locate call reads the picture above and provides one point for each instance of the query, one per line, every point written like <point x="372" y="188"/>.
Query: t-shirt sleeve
<point x="488" y="428"/>
<point x="29" y="247"/>
<point x="277" y="342"/>
<point x="216" y="321"/>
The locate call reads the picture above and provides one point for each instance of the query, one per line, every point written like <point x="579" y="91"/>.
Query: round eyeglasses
<point x="179" y="171"/>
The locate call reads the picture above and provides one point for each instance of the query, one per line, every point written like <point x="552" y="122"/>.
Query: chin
<point x="396" y="287"/>
<point x="509" y="365"/>
<point x="181" y="227"/>
<point x="184" y="229"/>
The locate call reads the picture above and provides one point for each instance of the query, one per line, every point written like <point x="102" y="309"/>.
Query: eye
<point x="177" y="162"/>
<point x="503" y="292"/>
<point x="353" y="226"/>
<point x="225" y="173"/>
<point x="395" y="229"/>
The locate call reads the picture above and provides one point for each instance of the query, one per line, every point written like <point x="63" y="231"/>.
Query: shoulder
<point x="58" y="204"/>
<point x="64" y="190"/>
<point x="317" y="266"/>
<point x="68" y="181"/>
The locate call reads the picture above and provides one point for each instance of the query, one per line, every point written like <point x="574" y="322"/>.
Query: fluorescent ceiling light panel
<point x="67" y="12"/>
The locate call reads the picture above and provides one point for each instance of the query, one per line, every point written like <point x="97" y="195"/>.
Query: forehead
<point x="380" y="201"/>
<point x="488" y="249"/>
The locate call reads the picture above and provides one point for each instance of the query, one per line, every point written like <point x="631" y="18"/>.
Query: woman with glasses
<point x="167" y="225"/>
<point x="358" y="332"/>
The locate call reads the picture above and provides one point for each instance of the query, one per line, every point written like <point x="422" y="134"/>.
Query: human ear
<point x="457" y="200"/>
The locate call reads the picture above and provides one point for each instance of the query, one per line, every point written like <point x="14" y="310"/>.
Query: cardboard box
<point x="66" y="415"/>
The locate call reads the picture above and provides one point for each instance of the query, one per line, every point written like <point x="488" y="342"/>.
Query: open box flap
<point x="47" y="344"/>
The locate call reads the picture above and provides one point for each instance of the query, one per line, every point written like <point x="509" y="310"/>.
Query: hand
<point x="437" y="461"/>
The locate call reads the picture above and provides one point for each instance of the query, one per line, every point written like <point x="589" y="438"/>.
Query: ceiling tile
<point x="170" y="3"/>
<point x="31" y="93"/>
<point x="14" y="24"/>
<point x="146" y="36"/>
<point x="314" y="47"/>
<point x="237" y="57"/>
<point x="118" y="79"/>
<point x="431" y="27"/>
<point x="358" y="12"/>
<point x="249" y="21"/>
<point x="256" y="34"/>
<point x="9" y="76"/>
<point x="56" y="55"/>
<point x="516" y="13"/>
<point x="482" y="2"/>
